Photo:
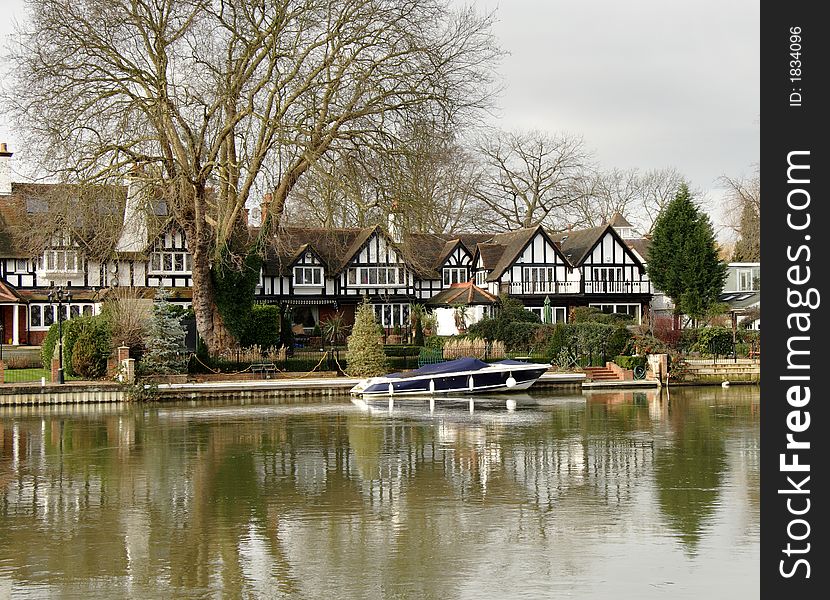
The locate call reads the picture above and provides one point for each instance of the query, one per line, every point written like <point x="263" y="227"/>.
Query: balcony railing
<point x="522" y="288"/>
<point x="544" y="287"/>
<point x="617" y="287"/>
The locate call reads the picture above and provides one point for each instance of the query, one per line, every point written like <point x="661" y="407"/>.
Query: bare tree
<point x="423" y="182"/>
<point x="529" y="178"/>
<point x="599" y="194"/>
<point x="743" y="214"/>
<point x="639" y="197"/>
<point x="658" y="187"/>
<point x="220" y="101"/>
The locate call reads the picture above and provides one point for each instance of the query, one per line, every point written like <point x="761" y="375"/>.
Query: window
<point x="455" y="275"/>
<point x="627" y="309"/>
<point x="308" y="276"/>
<point x="392" y="315"/>
<point x="377" y="276"/>
<point x="170" y="262"/>
<point x="62" y="261"/>
<point x="35" y="315"/>
<point x="608" y="274"/>
<point x="481" y="278"/>
<point x="42" y="316"/>
<point x="745" y="280"/>
<point x="558" y="314"/>
<point x="21" y="265"/>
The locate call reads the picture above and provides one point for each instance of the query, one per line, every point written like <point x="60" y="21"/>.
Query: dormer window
<point x="481" y="278"/>
<point x="61" y="261"/>
<point x="170" y="262"/>
<point x="455" y="275"/>
<point x="308" y="276"/>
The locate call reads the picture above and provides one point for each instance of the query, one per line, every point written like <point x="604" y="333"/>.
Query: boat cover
<point x="450" y="366"/>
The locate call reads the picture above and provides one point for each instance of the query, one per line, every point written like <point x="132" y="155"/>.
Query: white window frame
<point x="386" y="276"/>
<point x="308" y="276"/>
<point x="393" y="314"/>
<point x="745" y="286"/>
<point x="62" y="260"/>
<point x="601" y="274"/>
<point x="481" y="278"/>
<point x="163" y="262"/>
<point x="85" y="309"/>
<point x="638" y="309"/>
<point x="22" y="265"/>
<point x="455" y="275"/>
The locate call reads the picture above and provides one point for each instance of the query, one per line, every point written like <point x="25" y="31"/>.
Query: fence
<point x="22" y="365"/>
<point x="298" y="360"/>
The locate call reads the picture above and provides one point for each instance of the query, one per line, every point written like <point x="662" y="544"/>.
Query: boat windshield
<point x="450" y="366"/>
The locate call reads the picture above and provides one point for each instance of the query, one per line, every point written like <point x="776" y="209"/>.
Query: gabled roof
<point x="576" y="244"/>
<point x="617" y="220"/>
<point x="513" y="242"/>
<point x="462" y="294"/>
<point x="334" y="247"/>
<point x="640" y="246"/>
<point x="8" y="293"/>
<point x="490" y="254"/>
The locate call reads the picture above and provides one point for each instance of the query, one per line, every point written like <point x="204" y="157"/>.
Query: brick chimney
<point x="263" y="207"/>
<point x="134" y="234"/>
<point x="5" y="170"/>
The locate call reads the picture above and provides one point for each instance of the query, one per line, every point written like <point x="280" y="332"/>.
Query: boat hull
<point x="483" y="381"/>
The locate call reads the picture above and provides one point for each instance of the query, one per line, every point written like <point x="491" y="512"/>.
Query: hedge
<point x="262" y="327"/>
<point x="73" y="329"/>
<point x="629" y="362"/>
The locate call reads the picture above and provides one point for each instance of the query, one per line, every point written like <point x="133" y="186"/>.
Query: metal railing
<point x="544" y="287"/>
<point x="617" y="287"/>
<point x="573" y="287"/>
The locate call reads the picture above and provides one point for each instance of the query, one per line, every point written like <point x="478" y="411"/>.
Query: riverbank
<point x="326" y="387"/>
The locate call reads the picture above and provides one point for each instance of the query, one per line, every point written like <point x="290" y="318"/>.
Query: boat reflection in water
<point x="488" y="406"/>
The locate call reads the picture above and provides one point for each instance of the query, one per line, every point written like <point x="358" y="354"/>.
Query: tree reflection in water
<point x="276" y="500"/>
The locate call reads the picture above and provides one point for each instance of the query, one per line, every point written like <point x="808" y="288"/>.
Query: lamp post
<point x="60" y="298"/>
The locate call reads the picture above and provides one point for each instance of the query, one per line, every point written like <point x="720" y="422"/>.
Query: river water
<point x="604" y="495"/>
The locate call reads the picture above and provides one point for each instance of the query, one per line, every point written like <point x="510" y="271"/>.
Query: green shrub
<point x="434" y="341"/>
<point x="714" y="340"/>
<point x="629" y="362"/>
<point x="91" y="349"/>
<point x="72" y="330"/>
<point x="401" y="350"/>
<point x="262" y="327"/>
<point x="618" y="341"/>
<point x="364" y="351"/>
<point x="47" y="347"/>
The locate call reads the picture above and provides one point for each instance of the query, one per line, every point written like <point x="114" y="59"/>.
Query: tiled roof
<point x="462" y="294"/>
<point x="513" y="243"/>
<point x="617" y="220"/>
<point x="577" y="243"/>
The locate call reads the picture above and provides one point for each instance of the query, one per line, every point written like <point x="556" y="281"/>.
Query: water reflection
<point x="603" y="495"/>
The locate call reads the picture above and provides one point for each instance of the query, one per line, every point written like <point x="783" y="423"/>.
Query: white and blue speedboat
<point x="460" y="376"/>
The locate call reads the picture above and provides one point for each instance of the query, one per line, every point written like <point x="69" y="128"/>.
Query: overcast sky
<point x="647" y="83"/>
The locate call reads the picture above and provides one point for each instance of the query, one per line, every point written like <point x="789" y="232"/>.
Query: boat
<point x="460" y="376"/>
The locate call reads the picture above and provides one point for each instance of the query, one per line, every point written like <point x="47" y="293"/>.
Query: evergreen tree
<point x="683" y="258"/>
<point x="364" y="348"/>
<point x="166" y="353"/>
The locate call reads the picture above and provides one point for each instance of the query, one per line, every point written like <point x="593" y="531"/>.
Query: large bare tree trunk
<point x="209" y="322"/>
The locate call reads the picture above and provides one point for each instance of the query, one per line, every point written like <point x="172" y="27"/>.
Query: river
<point x="617" y="495"/>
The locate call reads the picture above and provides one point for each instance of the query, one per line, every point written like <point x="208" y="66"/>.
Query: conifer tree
<point x="683" y="258"/>
<point x="364" y="348"/>
<point x="166" y="352"/>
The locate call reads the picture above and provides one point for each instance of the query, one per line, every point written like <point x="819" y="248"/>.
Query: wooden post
<point x="2" y="371"/>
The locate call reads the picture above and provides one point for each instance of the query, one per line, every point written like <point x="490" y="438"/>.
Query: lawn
<point x="31" y="374"/>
